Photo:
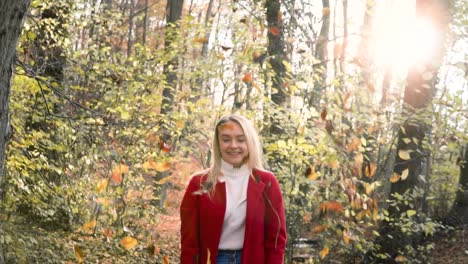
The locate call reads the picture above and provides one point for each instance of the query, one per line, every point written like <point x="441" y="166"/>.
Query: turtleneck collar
<point x="230" y="171"/>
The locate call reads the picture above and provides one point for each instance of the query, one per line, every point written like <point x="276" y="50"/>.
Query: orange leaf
<point x="353" y="144"/>
<point x="166" y="146"/>
<point x="331" y="206"/>
<point x="400" y="258"/>
<point x="395" y="178"/>
<point x="117" y="173"/>
<point x="313" y="174"/>
<point x="326" y="11"/>
<point x="280" y="16"/>
<point x="163" y="166"/>
<point x="149" y="165"/>
<point x="247" y="77"/>
<point x="370" y="170"/>
<point x="324" y="252"/>
<point x="307" y="217"/>
<point x="89" y="226"/>
<point x="108" y="233"/>
<point x="274" y="31"/>
<point x="319" y="229"/>
<point x="78" y="253"/>
<point x="128" y="242"/>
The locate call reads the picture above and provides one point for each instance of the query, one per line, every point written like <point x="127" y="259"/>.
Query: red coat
<point x="202" y="221"/>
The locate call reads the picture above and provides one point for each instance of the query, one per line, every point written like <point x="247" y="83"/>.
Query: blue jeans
<point x="229" y="257"/>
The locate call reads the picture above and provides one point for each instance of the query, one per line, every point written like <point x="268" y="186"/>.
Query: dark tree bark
<point x="459" y="213"/>
<point x="130" y="28"/>
<point x="276" y="50"/>
<point x="12" y="13"/>
<point x="145" y="23"/>
<point x="173" y="14"/>
<point x="321" y="51"/>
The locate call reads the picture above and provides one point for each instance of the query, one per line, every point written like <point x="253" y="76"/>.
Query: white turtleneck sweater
<point x="237" y="179"/>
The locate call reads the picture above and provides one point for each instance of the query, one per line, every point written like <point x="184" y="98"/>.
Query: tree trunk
<point x="12" y="13"/>
<point x="459" y="214"/>
<point x="130" y="28"/>
<point x="174" y="12"/>
<point x="414" y="132"/>
<point x="321" y="51"/>
<point x="277" y="53"/>
<point x="145" y="24"/>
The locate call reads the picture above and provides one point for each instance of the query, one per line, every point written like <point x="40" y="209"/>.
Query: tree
<point x="12" y="14"/>
<point x="412" y="155"/>
<point x="173" y="14"/>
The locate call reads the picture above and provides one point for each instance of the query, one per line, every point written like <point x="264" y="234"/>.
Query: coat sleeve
<point x="275" y="224"/>
<point x="189" y="230"/>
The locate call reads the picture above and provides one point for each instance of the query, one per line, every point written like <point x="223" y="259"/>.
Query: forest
<point x="107" y="107"/>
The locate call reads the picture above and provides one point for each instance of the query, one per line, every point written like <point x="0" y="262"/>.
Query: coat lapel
<point x="254" y="195"/>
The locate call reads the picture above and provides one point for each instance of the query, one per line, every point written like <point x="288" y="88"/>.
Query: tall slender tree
<point x="12" y="14"/>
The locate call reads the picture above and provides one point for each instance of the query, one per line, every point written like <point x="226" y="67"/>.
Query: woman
<point x="233" y="212"/>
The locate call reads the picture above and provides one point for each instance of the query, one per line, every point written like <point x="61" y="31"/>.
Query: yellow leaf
<point x="163" y="180"/>
<point x="395" y="178"/>
<point x="324" y="252"/>
<point x="400" y="258"/>
<point x="368" y="187"/>
<point x="404" y="174"/>
<point x="410" y="212"/>
<point x="128" y="242"/>
<point x="404" y="154"/>
<point x="359" y="159"/>
<point x="163" y="166"/>
<point x="326" y="11"/>
<point x="101" y="185"/>
<point x="78" y="253"/>
<point x="102" y="201"/>
<point x="89" y="226"/>
<point x="149" y="165"/>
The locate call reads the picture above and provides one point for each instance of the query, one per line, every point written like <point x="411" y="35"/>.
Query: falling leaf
<point x="117" y="173"/>
<point x="404" y="174"/>
<point x="257" y="87"/>
<point x="280" y="16"/>
<point x="323" y="114"/>
<point x="359" y="159"/>
<point x="324" y="252"/>
<point x="247" y="78"/>
<point x="369" y="188"/>
<point x="108" y="233"/>
<point x="337" y="50"/>
<point x="331" y="206"/>
<point x="319" y="229"/>
<point x="274" y="31"/>
<point x="128" y="242"/>
<point x="89" y="226"/>
<point x="307" y="216"/>
<point x="370" y="170"/>
<point x="400" y="258"/>
<point x="163" y="166"/>
<point x="347" y="236"/>
<point x="395" y="178"/>
<point x="102" y="185"/>
<point x="313" y="174"/>
<point x="166" y="145"/>
<point x="149" y="165"/>
<point x="404" y="154"/>
<point x="78" y="253"/>
<point x="225" y="48"/>
<point x="200" y="40"/>
<point x="410" y="212"/>
<point x="326" y="11"/>
<point x="353" y="144"/>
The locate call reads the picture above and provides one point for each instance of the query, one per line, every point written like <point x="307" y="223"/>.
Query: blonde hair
<point x="255" y="157"/>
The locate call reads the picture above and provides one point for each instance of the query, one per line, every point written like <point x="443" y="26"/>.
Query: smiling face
<point x="232" y="143"/>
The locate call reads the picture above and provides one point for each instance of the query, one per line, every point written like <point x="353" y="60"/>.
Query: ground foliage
<point x="95" y="171"/>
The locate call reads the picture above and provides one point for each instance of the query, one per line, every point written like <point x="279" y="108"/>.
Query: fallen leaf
<point x="324" y="252"/>
<point x="89" y="226"/>
<point x="128" y="242"/>
<point x="78" y="253"/>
